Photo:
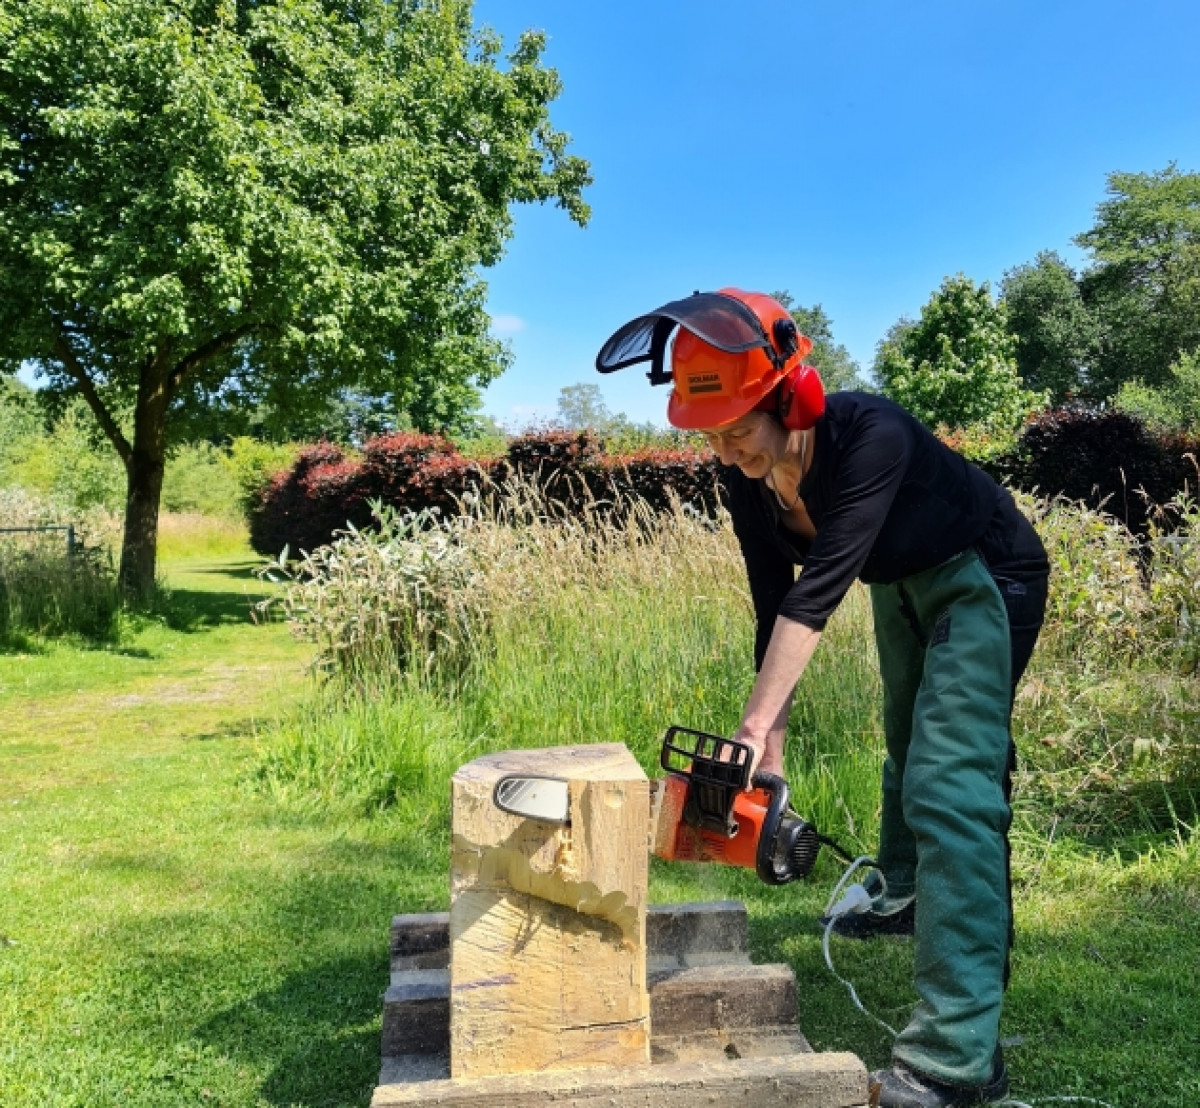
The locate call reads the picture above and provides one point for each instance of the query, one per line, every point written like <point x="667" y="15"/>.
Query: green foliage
<point x="1143" y="286"/>
<point x="1172" y="407"/>
<point x="65" y="464"/>
<point x="19" y="417"/>
<point x="213" y="206"/>
<point x="198" y="480"/>
<point x="581" y="407"/>
<point x="839" y="371"/>
<point x="254" y="463"/>
<point x="956" y="366"/>
<point x="1057" y="336"/>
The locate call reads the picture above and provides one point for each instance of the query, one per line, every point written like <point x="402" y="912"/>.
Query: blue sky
<point x="852" y="153"/>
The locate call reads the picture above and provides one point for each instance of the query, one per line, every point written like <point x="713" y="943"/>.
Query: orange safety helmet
<point x="734" y="351"/>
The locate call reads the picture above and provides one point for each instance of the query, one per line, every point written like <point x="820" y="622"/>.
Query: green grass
<point x="188" y="919"/>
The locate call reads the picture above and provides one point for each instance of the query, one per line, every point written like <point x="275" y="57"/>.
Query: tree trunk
<point x="144" y="479"/>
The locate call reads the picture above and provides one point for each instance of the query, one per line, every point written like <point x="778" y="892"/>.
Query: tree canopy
<point x="1143" y="286"/>
<point x="956" y="366"/>
<point x="1135" y="308"/>
<point x="212" y="204"/>
<point x="838" y="370"/>
<point x="1057" y="336"/>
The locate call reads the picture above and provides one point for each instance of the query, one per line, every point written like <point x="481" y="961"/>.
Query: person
<point x="851" y="486"/>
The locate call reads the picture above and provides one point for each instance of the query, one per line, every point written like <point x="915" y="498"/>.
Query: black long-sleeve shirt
<point x="886" y="499"/>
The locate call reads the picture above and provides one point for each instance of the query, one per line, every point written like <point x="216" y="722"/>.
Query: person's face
<point x="754" y="443"/>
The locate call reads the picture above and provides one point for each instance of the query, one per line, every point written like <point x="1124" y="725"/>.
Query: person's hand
<point x="766" y="752"/>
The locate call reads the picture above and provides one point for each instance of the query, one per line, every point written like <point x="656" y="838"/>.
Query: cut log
<point x="548" y="922"/>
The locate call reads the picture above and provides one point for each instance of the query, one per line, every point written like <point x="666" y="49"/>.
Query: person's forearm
<point x="765" y="719"/>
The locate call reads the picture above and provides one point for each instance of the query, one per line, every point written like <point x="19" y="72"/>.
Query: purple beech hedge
<point x="1099" y="457"/>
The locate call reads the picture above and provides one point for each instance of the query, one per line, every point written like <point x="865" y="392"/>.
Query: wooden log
<point x="548" y="922"/>
<point x="830" y="1080"/>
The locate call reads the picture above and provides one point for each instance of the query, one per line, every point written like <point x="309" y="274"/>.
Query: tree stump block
<point x="548" y="922"/>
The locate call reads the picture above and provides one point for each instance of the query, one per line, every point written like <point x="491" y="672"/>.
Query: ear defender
<point x="801" y="398"/>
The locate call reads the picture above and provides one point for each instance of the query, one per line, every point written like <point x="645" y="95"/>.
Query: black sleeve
<point x="770" y="573"/>
<point x="869" y="473"/>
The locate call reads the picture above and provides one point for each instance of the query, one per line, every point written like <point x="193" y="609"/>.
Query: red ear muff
<point x="801" y="398"/>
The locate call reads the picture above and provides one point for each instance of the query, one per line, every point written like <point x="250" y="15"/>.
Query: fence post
<point x="70" y="542"/>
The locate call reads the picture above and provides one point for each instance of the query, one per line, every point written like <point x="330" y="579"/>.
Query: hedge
<point x="1103" y="458"/>
<point x="325" y="490"/>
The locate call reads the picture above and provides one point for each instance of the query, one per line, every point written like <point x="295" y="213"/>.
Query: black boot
<point x="901" y="1087"/>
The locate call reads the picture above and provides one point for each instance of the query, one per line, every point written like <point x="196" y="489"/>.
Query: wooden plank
<point x="416" y="1014"/>
<point x="548" y="922"/>
<point x="828" y="1080"/>
<point x="699" y="1001"/>
<point x="705" y="1046"/>
<point x="420" y="941"/>
<point x="714" y="998"/>
<point x="688" y="934"/>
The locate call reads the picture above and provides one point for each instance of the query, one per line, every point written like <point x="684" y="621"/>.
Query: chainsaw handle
<point x="764" y="862"/>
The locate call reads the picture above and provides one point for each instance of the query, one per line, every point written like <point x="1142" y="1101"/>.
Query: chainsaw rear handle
<point x="765" y="864"/>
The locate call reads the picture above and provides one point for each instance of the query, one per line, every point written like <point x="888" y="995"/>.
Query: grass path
<point x="167" y="937"/>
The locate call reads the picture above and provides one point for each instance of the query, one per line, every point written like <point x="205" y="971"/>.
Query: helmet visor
<point x="721" y="321"/>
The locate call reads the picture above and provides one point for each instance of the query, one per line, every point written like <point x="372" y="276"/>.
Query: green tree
<point x="1172" y="406"/>
<point x="838" y="370"/>
<point x="955" y="367"/>
<point x="209" y="205"/>
<point x="1143" y="286"/>
<point x="1057" y="336"/>
<point x="581" y="406"/>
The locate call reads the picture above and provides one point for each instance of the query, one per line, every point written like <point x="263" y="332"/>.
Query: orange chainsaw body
<point x="702" y="811"/>
<point x="678" y="841"/>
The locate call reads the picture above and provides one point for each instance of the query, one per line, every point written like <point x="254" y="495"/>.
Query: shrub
<point x="325" y="490"/>
<point x="1103" y="459"/>
<point x="200" y="481"/>
<point x="254" y="464"/>
<point x="376" y="602"/>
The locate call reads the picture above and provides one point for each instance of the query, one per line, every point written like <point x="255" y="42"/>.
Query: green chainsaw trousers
<point x="944" y="646"/>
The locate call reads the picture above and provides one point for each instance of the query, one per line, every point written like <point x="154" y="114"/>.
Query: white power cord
<point x="856" y="900"/>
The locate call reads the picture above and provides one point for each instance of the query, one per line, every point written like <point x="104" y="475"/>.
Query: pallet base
<point x="724" y="1029"/>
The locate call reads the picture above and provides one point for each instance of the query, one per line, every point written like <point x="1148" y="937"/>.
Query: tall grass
<point x="47" y="589"/>
<point x="539" y="630"/>
<point x="190" y="536"/>
<point x="511" y="627"/>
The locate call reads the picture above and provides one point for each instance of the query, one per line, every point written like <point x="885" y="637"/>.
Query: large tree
<point x="225" y="203"/>
<point x="1143" y="285"/>
<point x="838" y="370"/>
<point x="956" y="366"/>
<point x="1057" y="336"/>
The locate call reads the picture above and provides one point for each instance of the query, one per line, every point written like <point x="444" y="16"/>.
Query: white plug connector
<point x="856" y="899"/>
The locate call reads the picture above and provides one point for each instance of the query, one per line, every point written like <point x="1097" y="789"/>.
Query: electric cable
<point x="858" y="899"/>
<point x="853" y="901"/>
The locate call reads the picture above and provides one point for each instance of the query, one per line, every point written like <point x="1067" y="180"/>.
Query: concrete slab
<point x="828" y="1080"/>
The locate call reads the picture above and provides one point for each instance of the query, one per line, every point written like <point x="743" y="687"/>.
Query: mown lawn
<point x="169" y="936"/>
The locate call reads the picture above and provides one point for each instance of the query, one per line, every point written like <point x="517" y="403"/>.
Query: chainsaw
<point x="702" y="810"/>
